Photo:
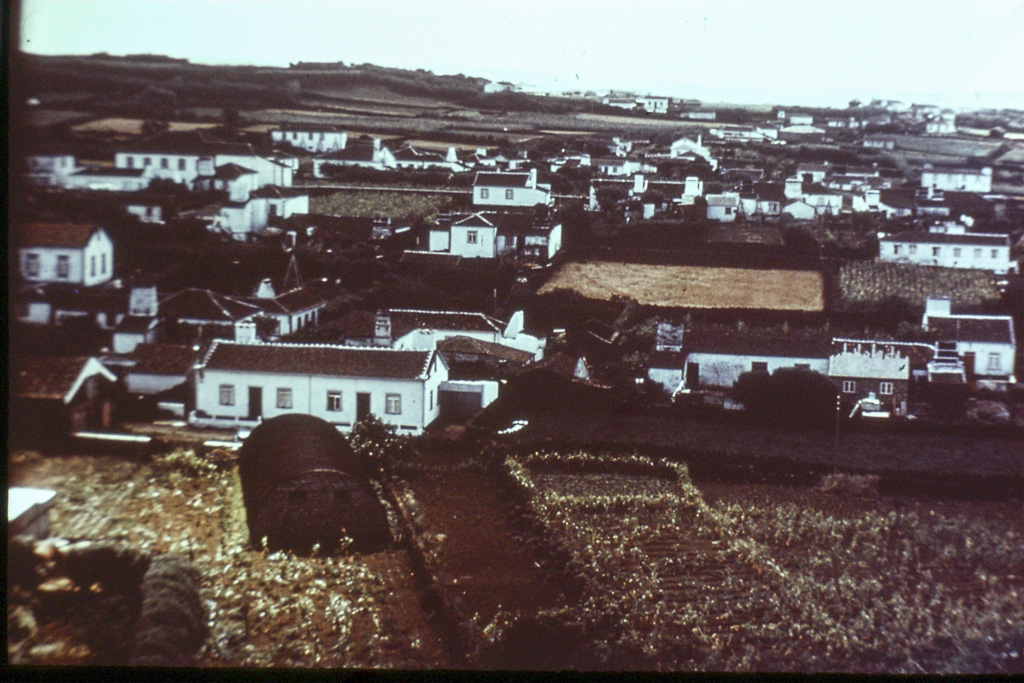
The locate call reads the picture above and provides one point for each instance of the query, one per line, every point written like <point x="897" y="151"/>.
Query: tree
<point x="230" y="117"/>
<point x="158" y="103"/>
<point x="793" y="396"/>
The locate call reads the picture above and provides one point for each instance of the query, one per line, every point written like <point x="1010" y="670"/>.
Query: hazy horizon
<point x="958" y="55"/>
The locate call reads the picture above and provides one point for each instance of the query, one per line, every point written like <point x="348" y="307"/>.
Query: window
<point x="284" y="398"/>
<point x="63" y="266"/>
<point x="759" y="366"/>
<point x="728" y="211"/>
<point x="994" y="364"/>
<point x="165" y="163"/>
<point x="510" y="194"/>
<point x="936" y="250"/>
<point x="334" y="401"/>
<point x="393" y="404"/>
<point x="995" y="253"/>
<point x="913" y="248"/>
<point x="431" y="399"/>
<point x="103" y="264"/>
<point x="181" y="164"/>
<point x="92" y="266"/>
<point x="484" y="193"/>
<point x="32" y="264"/>
<point x="977" y="253"/>
<point x="957" y="251"/>
<point x="131" y="162"/>
<point x="227" y="394"/>
<point x="147" y="161"/>
<point x="471" y="237"/>
<point x="885" y="388"/>
<point x="849" y="386"/>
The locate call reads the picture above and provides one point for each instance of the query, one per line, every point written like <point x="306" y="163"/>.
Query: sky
<point x="822" y="52"/>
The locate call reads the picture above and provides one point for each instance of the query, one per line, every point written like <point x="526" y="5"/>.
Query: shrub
<point x="794" y="396"/>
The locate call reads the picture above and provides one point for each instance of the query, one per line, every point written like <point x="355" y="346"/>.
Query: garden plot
<point x="871" y="282"/>
<point x="266" y="608"/>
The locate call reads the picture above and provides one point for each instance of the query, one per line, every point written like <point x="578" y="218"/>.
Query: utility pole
<point x="835" y="445"/>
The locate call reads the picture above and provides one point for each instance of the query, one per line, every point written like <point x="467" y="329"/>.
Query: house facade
<point x="868" y="369"/>
<point x="49" y="170"/>
<point x="311" y="139"/>
<point x="358" y="155"/>
<point x="243" y="384"/>
<point x="717" y="356"/>
<point x="489" y="234"/>
<point x="958" y="179"/>
<point x="510" y="189"/>
<point x="724" y="207"/>
<point x="69" y="253"/>
<point x="107" y="179"/>
<point x="949" y="250"/>
<point x="986" y="343"/>
<point x="52" y="398"/>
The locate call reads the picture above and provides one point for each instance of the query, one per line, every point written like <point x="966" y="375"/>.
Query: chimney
<point x="265" y="290"/>
<point x="515" y="326"/>
<point x="532" y="182"/>
<point x="245" y="332"/>
<point x="699" y="138"/>
<point x="639" y="186"/>
<point x="451" y="157"/>
<point x="143" y="301"/>
<point x="937" y="307"/>
<point x="382" y="329"/>
<point x="376" y="144"/>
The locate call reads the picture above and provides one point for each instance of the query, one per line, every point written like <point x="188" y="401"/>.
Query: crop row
<point x="871" y="282"/>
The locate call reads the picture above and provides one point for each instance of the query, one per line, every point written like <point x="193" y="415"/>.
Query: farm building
<point x="986" y="343"/>
<point x="408" y="157"/>
<point x="723" y="207"/>
<point x="510" y="189"/>
<point x="310" y="138"/>
<point x="359" y="154"/>
<point x="716" y="356"/>
<point x="303" y="485"/>
<point x="65" y="253"/>
<point x="492" y="234"/>
<point x="863" y="369"/>
<point x="54" y="397"/>
<point x="241" y="384"/>
<point x="949" y="250"/>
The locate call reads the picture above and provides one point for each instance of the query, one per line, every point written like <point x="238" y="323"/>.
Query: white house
<point x="283" y="202"/>
<point x="359" y="155"/>
<point x="510" y="189"/>
<point x="242" y="384"/>
<point x="944" y="124"/>
<point x="62" y="252"/>
<point x="50" y="169"/>
<point x="489" y="234"/>
<point x="800" y="210"/>
<point x="958" y="179"/>
<point x="687" y="148"/>
<point x="986" y="343"/>
<point x="293" y="310"/>
<point x="310" y="138"/>
<point x="242" y="219"/>
<point x="620" y="167"/>
<point x="883" y="370"/>
<point x="723" y="207"/>
<point x="156" y="368"/>
<point x="238" y="181"/>
<point x="653" y="105"/>
<point x="422" y="330"/>
<point x="800" y="119"/>
<point x="408" y="157"/>
<point x="107" y="179"/>
<point x="716" y="356"/>
<point x="184" y="156"/>
<point x="950" y="250"/>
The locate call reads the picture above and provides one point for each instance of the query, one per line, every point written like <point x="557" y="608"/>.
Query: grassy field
<point x="396" y="205"/>
<point x="870" y="282"/>
<point x="777" y="579"/>
<point x="693" y="286"/>
<point x="125" y="126"/>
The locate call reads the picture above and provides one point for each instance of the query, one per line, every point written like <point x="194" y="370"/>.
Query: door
<point x="969" y="364"/>
<point x="362" y="406"/>
<point x="255" y="403"/>
<point x="692" y="375"/>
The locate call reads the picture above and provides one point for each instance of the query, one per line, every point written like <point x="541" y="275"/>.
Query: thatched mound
<point x="303" y="486"/>
<point x="172" y="626"/>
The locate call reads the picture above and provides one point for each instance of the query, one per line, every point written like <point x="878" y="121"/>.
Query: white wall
<point x="312" y="141"/>
<point x="439" y="240"/>
<point x="981" y="358"/>
<point x="90" y="266"/>
<point x="963" y="181"/>
<point x="136" y="383"/>
<point x="485" y="246"/>
<point x="309" y="396"/>
<point x="668" y="378"/>
<point x="85" y="181"/>
<point x="521" y="196"/>
<point x="969" y="256"/>
<point x="722" y="370"/>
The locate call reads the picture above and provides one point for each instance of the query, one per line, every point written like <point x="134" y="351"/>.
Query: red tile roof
<point x="47" y="378"/>
<point x="727" y="340"/>
<point x="478" y="347"/>
<point x="994" y="329"/>
<point x="202" y="304"/>
<point x="162" y="359"/>
<point x="329" y="361"/>
<point x="405" y="321"/>
<point x="70" y="235"/>
<point x="502" y="179"/>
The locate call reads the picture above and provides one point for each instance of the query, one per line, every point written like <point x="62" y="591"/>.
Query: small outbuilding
<point x="303" y="485"/>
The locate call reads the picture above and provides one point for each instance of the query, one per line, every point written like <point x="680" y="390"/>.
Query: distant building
<point x="969" y="250"/>
<point x="314" y="139"/>
<point x="723" y="207"/>
<point x="358" y="154"/>
<point x="879" y="370"/>
<point x="987" y="344"/>
<point x="510" y="189"/>
<point x="50" y="169"/>
<point x="958" y="179"/>
<point x="492" y="234"/>
<point x="684" y="148"/>
<point x="653" y="105"/>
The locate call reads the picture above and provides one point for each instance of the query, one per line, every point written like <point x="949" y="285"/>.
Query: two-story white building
<point x="986" y="343"/>
<point x="958" y="179"/>
<point x="241" y="384"/>
<point x="50" y="169"/>
<point x="510" y="189"/>
<point x="950" y="250"/>
<point x="62" y="252"/>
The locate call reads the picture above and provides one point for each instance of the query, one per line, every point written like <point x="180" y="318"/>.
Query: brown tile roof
<point x="162" y="359"/>
<point x="292" y="301"/>
<point x="202" y="304"/>
<point x="995" y="329"/>
<point x="478" y="347"/>
<point x="232" y="171"/>
<point x="501" y="179"/>
<point x="71" y="235"/>
<point x="47" y="378"/>
<point x="354" y="152"/>
<point x="405" y="321"/>
<point x="728" y="340"/>
<point x="329" y="361"/>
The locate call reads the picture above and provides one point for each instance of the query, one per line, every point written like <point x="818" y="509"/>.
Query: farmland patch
<point x="693" y="286"/>
<point x="871" y="282"/>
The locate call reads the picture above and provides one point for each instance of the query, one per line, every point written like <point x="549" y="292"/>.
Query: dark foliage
<point x="795" y="396"/>
<point x="173" y="622"/>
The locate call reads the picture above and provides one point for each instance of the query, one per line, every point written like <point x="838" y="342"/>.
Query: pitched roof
<point x="404" y="321"/>
<point x="55" y="378"/>
<point x="410" y="153"/>
<point x="358" y="151"/>
<point x="70" y="235"/>
<point x="469" y="345"/>
<point x="292" y="301"/>
<point x="319" y="360"/>
<point x="275" y="192"/>
<point x="502" y="179"/>
<point x="232" y="171"/>
<point x="727" y="340"/>
<point x="162" y="359"/>
<point x="876" y="359"/>
<point x="202" y="304"/>
<point x="969" y="328"/>
<point x="136" y="324"/>
<point x="974" y="239"/>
